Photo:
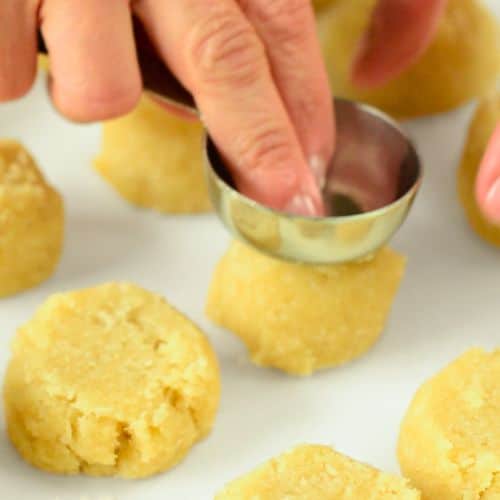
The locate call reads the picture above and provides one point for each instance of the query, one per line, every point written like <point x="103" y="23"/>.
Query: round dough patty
<point x="314" y="472"/>
<point x="109" y="381"/>
<point x="31" y="221"/>
<point x="481" y="128"/>
<point x="449" y="445"/>
<point x="463" y="61"/>
<point x="301" y="318"/>
<point x="155" y="160"/>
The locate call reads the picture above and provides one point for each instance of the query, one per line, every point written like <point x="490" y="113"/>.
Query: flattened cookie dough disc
<point x="154" y="160"/>
<point x="449" y="445"/>
<point x="314" y="472"/>
<point x="483" y="124"/>
<point x="463" y="62"/>
<point x="109" y="381"/>
<point x="31" y="221"/>
<point x="301" y="318"/>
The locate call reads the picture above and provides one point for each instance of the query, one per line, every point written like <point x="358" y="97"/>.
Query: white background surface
<point x="449" y="301"/>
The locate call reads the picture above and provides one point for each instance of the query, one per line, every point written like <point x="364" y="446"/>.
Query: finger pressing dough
<point x="31" y="221"/>
<point x="480" y="131"/>
<point x="154" y="159"/>
<point x="463" y="61"/>
<point x="301" y="318"/>
<point x="449" y="445"/>
<point x="109" y="381"/>
<point x="314" y="472"/>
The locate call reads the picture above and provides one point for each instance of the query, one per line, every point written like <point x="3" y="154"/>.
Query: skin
<point x="257" y="60"/>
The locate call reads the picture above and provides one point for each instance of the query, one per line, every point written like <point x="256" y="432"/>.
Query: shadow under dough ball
<point x="449" y="444"/>
<point x="314" y="472"/>
<point x="301" y="318"/>
<point x="155" y="160"/>
<point x="109" y="381"/>
<point x="463" y="61"/>
<point x="31" y="221"/>
<point x="480" y="131"/>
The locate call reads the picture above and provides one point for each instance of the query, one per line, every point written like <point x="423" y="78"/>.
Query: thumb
<point x="488" y="180"/>
<point x="398" y="33"/>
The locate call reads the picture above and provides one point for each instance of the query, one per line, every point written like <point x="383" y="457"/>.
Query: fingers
<point x="93" y="63"/>
<point x="17" y="48"/>
<point x="218" y="56"/>
<point x="399" y="32"/>
<point x="288" y="30"/>
<point x="488" y="180"/>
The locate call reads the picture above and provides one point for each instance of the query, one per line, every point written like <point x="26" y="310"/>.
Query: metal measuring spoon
<point x="370" y="187"/>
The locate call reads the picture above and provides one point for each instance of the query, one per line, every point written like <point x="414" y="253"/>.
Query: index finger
<point x="219" y="58"/>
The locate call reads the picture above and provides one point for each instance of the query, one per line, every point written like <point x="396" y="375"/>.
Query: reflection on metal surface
<point x="371" y="184"/>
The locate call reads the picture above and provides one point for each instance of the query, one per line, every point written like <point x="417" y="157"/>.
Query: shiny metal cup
<point x="371" y="184"/>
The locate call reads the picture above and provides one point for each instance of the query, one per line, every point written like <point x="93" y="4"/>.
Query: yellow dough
<point x="314" y="472"/>
<point x="109" y="381"/>
<point x="463" y="62"/>
<point x="301" y="318"/>
<point x="449" y="445"/>
<point x="481" y="129"/>
<point x="320" y="5"/>
<point x="31" y="221"/>
<point x="155" y="160"/>
<point x="43" y="62"/>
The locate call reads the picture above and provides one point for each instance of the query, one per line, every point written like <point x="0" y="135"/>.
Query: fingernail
<point x="492" y="202"/>
<point x="318" y="168"/>
<point x="301" y="204"/>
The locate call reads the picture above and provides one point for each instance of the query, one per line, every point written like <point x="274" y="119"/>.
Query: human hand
<point x="253" y="66"/>
<point x="399" y="32"/>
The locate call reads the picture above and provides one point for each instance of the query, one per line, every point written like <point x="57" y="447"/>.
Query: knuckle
<point x="287" y="18"/>
<point x="264" y="149"/>
<point x="223" y="48"/>
<point x="99" y="102"/>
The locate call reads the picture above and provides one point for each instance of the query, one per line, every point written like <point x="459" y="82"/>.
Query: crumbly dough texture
<point x="109" y="381"/>
<point x="314" y="472"/>
<point x="154" y="160"/>
<point x="301" y="318"/>
<point x="463" y="61"/>
<point x="31" y="221"/>
<point x="449" y="445"/>
<point x="481" y="128"/>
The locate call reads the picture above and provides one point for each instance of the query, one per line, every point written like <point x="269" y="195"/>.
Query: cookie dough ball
<point x="483" y="124"/>
<point x="463" y="62"/>
<point x="301" y="318"/>
<point x="109" y="381"/>
<point x="154" y="160"/>
<point x="449" y="444"/>
<point x="31" y="221"/>
<point x="313" y="472"/>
